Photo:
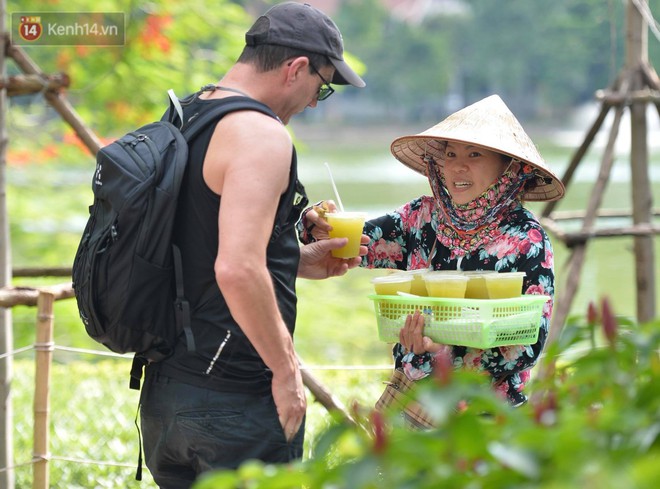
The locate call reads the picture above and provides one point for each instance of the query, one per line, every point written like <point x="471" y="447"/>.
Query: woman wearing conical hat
<point x="481" y="166"/>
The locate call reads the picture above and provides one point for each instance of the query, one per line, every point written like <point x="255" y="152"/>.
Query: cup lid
<point x="419" y="271"/>
<point x="445" y="272"/>
<point x="392" y="278"/>
<point x="455" y="277"/>
<point x="504" y="275"/>
<point x="478" y="272"/>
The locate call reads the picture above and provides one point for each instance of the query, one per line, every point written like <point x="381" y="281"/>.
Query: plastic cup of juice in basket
<point x="504" y="285"/>
<point x="392" y="284"/>
<point x="476" y="286"/>
<point x="418" y="286"/>
<point x="347" y="225"/>
<point x="445" y="284"/>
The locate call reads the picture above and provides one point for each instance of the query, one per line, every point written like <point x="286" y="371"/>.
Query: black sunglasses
<point x="326" y="90"/>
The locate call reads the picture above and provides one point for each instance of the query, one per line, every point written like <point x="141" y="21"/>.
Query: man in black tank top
<point x="240" y="394"/>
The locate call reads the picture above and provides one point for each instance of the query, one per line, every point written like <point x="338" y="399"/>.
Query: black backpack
<point x="127" y="275"/>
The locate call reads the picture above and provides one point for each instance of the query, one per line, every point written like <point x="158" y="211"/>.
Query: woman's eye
<point x="475" y="154"/>
<point x="450" y="154"/>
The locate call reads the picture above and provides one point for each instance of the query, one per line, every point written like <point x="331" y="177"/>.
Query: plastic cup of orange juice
<point x="476" y="287"/>
<point x="441" y="284"/>
<point x="504" y="285"/>
<point x="418" y="286"/>
<point x="347" y="225"/>
<point x="392" y="284"/>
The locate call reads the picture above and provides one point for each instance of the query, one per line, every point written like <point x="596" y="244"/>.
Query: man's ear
<point x="296" y="67"/>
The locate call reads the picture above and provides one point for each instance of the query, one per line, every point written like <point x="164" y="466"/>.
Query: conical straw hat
<point x="490" y="124"/>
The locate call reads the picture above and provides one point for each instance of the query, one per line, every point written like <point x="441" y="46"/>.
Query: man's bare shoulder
<point x="249" y="129"/>
<point x="248" y="143"/>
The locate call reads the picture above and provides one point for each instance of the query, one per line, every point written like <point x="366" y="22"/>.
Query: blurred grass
<point x="92" y="414"/>
<point x="93" y="438"/>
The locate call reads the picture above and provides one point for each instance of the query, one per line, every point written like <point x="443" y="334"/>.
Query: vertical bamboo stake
<point x="44" y="347"/>
<point x="642" y="201"/>
<point x="6" y="333"/>
<point x="565" y="300"/>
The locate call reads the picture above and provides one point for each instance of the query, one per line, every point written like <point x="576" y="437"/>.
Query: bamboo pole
<point x="44" y="356"/>
<point x="28" y="296"/>
<point x="579" y="154"/>
<point x="572" y="239"/>
<point x="642" y="201"/>
<point x="6" y="333"/>
<point x="652" y="80"/>
<point x="42" y="272"/>
<point x="651" y="77"/>
<point x="29" y="84"/>
<point x="558" y="216"/>
<point x="642" y="197"/>
<point x="644" y="95"/>
<point x="576" y="260"/>
<point x="322" y="395"/>
<point x="636" y="86"/>
<point x="56" y="100"/>
<point x="637" y="35"/>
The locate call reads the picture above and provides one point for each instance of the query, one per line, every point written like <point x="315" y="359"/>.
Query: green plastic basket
<point x="478" y="323"/>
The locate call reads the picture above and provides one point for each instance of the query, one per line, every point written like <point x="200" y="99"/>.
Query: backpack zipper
<point x="129" y="146"/>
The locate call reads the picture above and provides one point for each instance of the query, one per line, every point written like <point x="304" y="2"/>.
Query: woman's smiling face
<point x="469" y="170"/>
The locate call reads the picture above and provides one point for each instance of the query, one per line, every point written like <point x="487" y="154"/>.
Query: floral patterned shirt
<point x="404" y="239"/>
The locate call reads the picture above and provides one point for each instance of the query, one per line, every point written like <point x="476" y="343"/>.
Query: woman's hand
<point x="411" y="336"/>
<point x="315" y="222"/>
<point x="316" y="226"/>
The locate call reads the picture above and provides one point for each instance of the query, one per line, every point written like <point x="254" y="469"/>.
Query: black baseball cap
<point x="301" y="26"/>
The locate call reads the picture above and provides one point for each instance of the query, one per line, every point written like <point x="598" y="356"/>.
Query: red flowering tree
<point x="168" y="44"/>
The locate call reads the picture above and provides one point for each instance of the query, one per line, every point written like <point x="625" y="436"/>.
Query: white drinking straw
<point x="334" y="187"/>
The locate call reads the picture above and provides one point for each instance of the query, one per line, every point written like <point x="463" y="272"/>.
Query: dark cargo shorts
<point x="189" y="430"/>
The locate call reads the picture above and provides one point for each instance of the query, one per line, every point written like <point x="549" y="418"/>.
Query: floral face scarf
<point x="466" y="227"/>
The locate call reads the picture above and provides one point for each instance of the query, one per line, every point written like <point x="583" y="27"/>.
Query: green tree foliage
<point x="406" y="64"/>
<point x="542" y="57"/>
<point x="169" y="44"/>
<point x="559" y="51"/>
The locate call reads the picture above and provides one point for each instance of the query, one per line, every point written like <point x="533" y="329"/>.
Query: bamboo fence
<point x="44" y="299"/>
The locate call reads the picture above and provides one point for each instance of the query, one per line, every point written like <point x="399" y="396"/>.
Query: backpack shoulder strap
<point x="175" y="106"/>
<point x="198" y="121"/>
<point x="201" y="120"/>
